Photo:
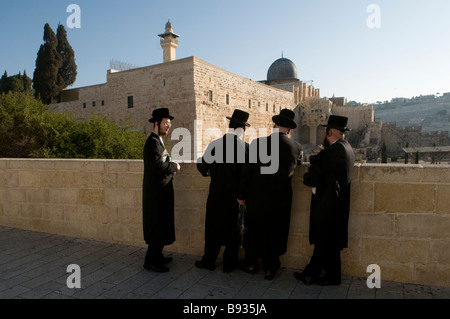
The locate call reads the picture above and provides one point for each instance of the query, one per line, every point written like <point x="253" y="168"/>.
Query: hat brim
<point x="284" y="122"/>
<point x="237" y="121"/>
<point x="342" y="129"/>
<point x="153" y="120"/>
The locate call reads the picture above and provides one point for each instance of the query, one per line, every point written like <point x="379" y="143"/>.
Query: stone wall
<point x="400" y="214"/>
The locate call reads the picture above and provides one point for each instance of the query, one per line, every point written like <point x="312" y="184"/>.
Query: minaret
<point x="169" y="43"/>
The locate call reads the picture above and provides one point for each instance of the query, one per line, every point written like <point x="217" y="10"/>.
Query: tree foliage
<point x="16" y="83"/>
<point x="49" y="61"/>
<point x="30" y="129"/>
<point x="55" y="65"/>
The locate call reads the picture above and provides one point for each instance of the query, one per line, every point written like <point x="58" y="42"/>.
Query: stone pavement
<point x="34" y="266"/>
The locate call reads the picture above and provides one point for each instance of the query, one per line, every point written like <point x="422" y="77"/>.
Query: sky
<point x="366" y="51"/>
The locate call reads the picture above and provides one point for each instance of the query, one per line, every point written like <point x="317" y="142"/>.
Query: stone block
<point x="430" y="226"/>
<point x="91" y="197"/>
<point x="362" y="200"/>
<point x="69" y="165"/>
<point x="432" y="275"/>
<point x="63" y="196"/>
<point x="440" y="252"/>
<point x="372" y="225"/>
<point x="29" y="178"/>
<point x="379" y="251"/>
<point x="391" y="172"/>
<point x="129" y="180"/>
<point x="443" y="199"/>
<point x="122" y="198"/>
<point x="404" y="198"/>
<point x="94" y="166"/>
<point x="40" y="195"/>
<point x="435" y="174"/>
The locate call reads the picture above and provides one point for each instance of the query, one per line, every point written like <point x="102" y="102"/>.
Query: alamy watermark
<point x="374" y="280"/>
<point x="74" y="280"/>
<point x="74" y="20"/>
<point x="261" y="152"/>
<point x="374" y="19"/>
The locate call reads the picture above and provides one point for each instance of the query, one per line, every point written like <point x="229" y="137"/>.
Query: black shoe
<point x="156" y="267"/>
<point x="166" y="260"/>
<point x="327" y="281"/>
<point x="269" y="275"/>
<point x="201" y="265"/>
<point x="250" y="269"/>
<point x="307" y="280"/>
<point x="229" y="269"/>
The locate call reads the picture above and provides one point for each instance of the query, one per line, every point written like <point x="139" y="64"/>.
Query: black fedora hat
<point x="338" y="122"/>
<point x="240" y="117"/>
<point x="159" y="114"/>
<point x="285" y="119"/>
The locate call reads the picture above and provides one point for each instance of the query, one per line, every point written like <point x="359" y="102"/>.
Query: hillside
<point x="430" y="112"/>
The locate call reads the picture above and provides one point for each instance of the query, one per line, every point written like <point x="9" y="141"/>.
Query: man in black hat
<point x="268" y="196"/>
<point x="158" y="193"/>
<point x="223" y="161"/>
<point x="330" y="175"/>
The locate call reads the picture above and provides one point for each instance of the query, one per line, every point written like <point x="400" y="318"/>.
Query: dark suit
<point x="330" y="173"/>
<point x="269" y="199"/>
<point x="158" y="197"/>
<point x="222" y="209"/>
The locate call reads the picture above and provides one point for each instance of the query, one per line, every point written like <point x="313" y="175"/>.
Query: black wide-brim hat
<point x="159" y="114"/>
<point x="338" y="122"/>
<point x="240" y="117"/>
<point x="285" y="119"/>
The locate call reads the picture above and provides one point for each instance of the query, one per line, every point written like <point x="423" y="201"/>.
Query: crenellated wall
<point x="400" y="214"/>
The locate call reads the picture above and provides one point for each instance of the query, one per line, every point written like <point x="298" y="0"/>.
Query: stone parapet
<point x="400" y="214"/>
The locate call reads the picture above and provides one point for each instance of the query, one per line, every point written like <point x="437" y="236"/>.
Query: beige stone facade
<point x="406" y="234"/>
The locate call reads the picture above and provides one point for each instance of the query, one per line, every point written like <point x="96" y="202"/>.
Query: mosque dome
<point x="282" y="69"/>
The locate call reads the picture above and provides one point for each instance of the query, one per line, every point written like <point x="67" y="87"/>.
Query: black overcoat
<point x="158" y="193"/>
<point x="330" y="173"/>
<point x="269" y="196"/>
<point x="224" y="165"/>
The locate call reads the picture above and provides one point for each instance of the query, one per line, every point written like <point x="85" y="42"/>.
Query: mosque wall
<point x="191" y="88"/>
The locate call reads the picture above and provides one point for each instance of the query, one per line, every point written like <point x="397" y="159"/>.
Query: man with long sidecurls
<point x="158" y="193"/>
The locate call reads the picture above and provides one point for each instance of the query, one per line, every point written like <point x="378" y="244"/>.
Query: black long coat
<point x="225" y="169"/>
<point x="158" y="194"/>
<point x="269" y="196"/>
<point x="330" y="173"/>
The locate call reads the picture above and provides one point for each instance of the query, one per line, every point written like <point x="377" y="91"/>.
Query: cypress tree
<point x="27" y="82"/>
<point x="68" y="69"/>
<point x="3" y="83"/>
<point x="46" y="75"/>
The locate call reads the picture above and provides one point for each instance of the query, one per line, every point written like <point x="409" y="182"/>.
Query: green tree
<point x="29" y="128"/>
<point x="384" y="153"/>
<point x="68" y="69"/>
<point x="49" y="61"/>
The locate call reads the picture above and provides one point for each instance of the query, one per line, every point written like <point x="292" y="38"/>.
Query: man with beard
<point x="330" y="176"/>
<point x="223" y="161"/>
<point x="268" y="196"/>
<point x="158" y="193"/>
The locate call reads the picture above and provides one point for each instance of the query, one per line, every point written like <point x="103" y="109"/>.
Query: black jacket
<point x="224" y="166"/>
<point x="330" y="173"/>
<point x="269" y="196"/>
<point x="158" y="194"/>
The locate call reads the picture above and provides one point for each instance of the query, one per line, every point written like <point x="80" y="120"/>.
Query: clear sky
<point x="399" y="48"/>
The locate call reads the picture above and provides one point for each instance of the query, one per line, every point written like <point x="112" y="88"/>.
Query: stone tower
<point x="169" y="43"/>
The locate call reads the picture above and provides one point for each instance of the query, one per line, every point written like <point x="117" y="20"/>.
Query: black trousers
<point x="230" y="254"/>
<point x="154" y="254"/>
<point x="326" y="259"/>
<point x="270" y="259"/>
